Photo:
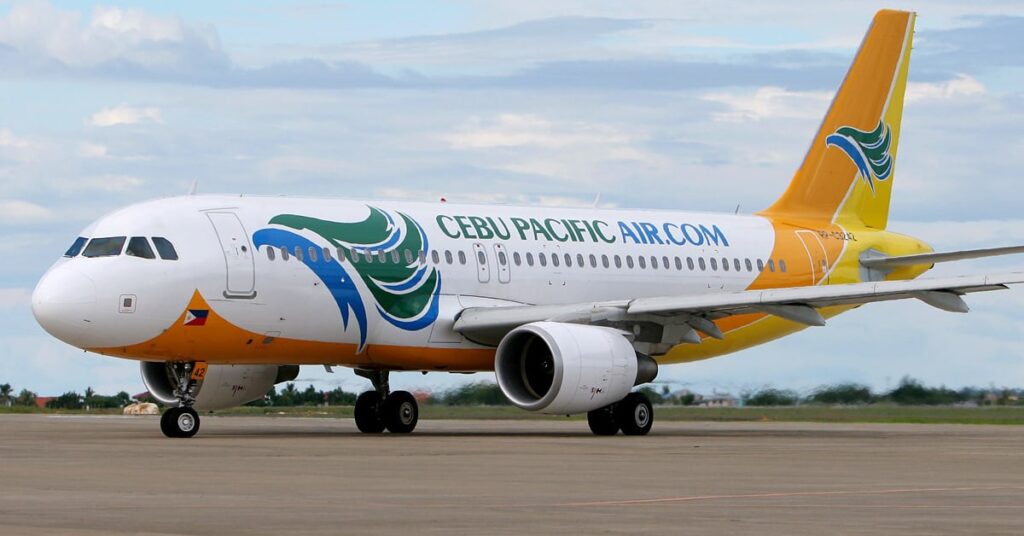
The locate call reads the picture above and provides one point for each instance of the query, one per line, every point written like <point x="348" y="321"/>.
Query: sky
<point x="651" y="104"/>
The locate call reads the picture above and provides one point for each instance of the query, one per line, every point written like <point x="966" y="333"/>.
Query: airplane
<point x="220" y="297"/>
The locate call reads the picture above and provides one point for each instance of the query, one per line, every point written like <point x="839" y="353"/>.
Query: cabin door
<point x="238" y="255"/>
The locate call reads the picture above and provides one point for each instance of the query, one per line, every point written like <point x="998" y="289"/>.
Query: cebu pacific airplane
<point x="221" y="297"/>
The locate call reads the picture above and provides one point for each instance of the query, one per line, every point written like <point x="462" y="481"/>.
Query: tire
<point x="187" y="422"/>
<point x="167" y="422"/>
<point x="635" y="414"/>
<point x="603" y="421"/>
<point x="368" y="413"/>
<point x="400" y="412"/>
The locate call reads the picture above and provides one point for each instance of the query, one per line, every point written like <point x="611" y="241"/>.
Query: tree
<point x="26" y="398"/>
<point x="912" y="392"/>
<point x="68" y="400"/>
<point x="5" y="394"/>
<point x="474" y="394"/>
<point x="771" y="397"/>
<point x="843" y="393"/>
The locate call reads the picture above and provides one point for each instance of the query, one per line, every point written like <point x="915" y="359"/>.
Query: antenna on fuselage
<point x="195" y="186"/>
<point x="597" y="199"/>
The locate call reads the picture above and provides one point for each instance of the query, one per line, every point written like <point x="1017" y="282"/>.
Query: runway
<point x="253" y="475"/>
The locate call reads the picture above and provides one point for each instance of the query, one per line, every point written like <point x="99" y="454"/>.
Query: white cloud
<point x="92" y="150"/>
<point x="110" y="34"/>
<point x="769" y="102"/>
<point x="517" y="130"/>
<point x="15" y="211"/>
<point x="961" y="86"/>
<point x="125" y="115"/>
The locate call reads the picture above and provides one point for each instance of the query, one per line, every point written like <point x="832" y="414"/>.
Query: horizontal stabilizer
<point x="932" y="258"/>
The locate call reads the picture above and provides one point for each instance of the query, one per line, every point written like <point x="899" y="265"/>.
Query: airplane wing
<point x="932" y="258"/>
<point x="682" y="316"/>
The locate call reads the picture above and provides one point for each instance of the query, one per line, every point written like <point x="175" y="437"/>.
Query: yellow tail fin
<point x="847" y="174"/>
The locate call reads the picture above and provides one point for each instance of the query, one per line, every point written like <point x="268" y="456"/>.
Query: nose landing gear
<point x="380" y="409"/>
<point x="183" y="421"/>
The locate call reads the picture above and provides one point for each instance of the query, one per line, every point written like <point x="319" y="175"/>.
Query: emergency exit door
<point x="238" y="255"/>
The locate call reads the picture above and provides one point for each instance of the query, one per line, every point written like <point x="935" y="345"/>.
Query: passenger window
<point x="327" y="254"/>
<point x="579" y="260"/>
<point x="270" y="254"/>
<point x="714" y="263"/>
<point x="529" y="259"/>
<point x="104" y="247"/>
<point x="543" y="258"/>
<point x="771" y="265"/>
<point x="629" y="261"/>
<point x="298" y="253"/>
<point x="481" y="258"/>
<point x="408" y="256"/>
<point x="462" y="257"/>
<point x="568" y="260"/>
<point x="618" y="261"/>
<point x="782" y="265"/>
<point x="593" y="261"/>
<point x="664" y="263"/>
<point x="312" y="254"/>
<point x="689" y="263"/>
<point x="165" y="249"/>
<point x="554" y="259"/>
<point x="700" y="262"/>
<point x="642" y="261"/>
<point x="736" y="264"/>
<point x="760" y="265"/>
<point x="76" y="248"/>
<point x="138" y="246"/>
<point x="604" y="260"/>
<point x="679" y="264"/>
<point x="353" y="255"/>
<point x="395" y="258"/>
<point x="435" y="256"/>
<point x="516" y="258"/>
<point x="423" y="256"/>
<point x="447" y="256"/>
<point x="284" y="254"/>
<point x="502" y="258"/>
<point x="381" y="256"/>
<point x="725" y="264"/>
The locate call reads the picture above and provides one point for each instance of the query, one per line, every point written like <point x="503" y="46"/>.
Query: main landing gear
<point x="634" y="415"/>
<point x="183" y="421"/>
<point x="381" y="409"/>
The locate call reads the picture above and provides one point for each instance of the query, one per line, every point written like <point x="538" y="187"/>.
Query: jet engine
<point x="224" y="386"/>
<point x="560" y="368"/>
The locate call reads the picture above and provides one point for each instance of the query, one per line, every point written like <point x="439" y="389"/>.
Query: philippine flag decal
<point x="196" y="317"/>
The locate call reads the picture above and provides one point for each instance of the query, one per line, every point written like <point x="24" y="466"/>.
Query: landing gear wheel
<point x="602" y="421"/>
<point x="179" y="422"/>
<point x="634" y="414"/>
<point x="400" y="412"/>
<point x="368" y="413"/>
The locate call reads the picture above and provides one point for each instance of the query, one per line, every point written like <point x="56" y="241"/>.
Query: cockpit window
<point x="165" y="248"/>
<point x="104" y="247"/>
<point x="76" y="248"/>
<point x="138" y="246"/>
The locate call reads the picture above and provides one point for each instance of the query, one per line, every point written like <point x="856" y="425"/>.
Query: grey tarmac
<point x="96" y="475"/>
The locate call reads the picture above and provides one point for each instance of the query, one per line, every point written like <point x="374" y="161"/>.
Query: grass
<point x="1005" y="415"/>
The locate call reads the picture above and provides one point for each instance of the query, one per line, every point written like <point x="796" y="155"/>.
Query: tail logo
<point x="387" y="255"/>
<point x="869" y="151"/>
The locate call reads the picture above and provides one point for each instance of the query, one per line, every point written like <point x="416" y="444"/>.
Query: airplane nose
<point x="62" y="302"/>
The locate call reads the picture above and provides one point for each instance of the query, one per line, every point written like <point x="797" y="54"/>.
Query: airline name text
<point x="574" y="230"/>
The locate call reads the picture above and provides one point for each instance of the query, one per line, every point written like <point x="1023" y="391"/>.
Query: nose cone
<point x="62" y="303"/>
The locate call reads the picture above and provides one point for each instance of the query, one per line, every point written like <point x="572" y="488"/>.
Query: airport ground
<point x="85" y="474"/>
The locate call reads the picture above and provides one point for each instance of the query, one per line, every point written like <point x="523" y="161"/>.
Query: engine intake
<point x="559" y="368"/>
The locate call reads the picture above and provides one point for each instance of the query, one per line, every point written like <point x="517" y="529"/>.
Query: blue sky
<point x="659" y="104"/>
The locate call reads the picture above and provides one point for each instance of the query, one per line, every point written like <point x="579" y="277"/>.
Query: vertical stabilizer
<point x="848" y="172"/>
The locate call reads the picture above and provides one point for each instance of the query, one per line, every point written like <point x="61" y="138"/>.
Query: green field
<point x="850" y="414"/>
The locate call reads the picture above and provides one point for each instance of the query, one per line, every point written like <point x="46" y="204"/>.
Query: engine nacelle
<point x="561" y="369"/>
<point x="224" y="386"/>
